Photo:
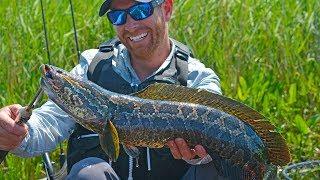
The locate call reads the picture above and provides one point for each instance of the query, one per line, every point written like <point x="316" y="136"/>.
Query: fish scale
<point x="242" y="142"/>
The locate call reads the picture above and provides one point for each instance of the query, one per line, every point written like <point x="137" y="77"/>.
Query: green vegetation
<point x="267" y="54"/>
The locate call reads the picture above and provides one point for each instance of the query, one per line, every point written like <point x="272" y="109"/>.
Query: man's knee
<point x="92" y="168"/>
<point x="203" y="172"/>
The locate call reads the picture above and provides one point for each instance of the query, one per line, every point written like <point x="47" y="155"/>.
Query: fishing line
<point x="74" y="30"/>
<point x="45" y="31"/>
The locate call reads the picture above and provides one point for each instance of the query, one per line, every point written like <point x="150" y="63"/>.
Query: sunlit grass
<point x="267" y="54"/>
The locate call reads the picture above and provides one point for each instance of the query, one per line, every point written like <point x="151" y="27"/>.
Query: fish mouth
<point x="49" y="78"/>
<point x="45" y="83"/>
<point x="45" y="74"/>
<point x="50" y="72"/>
<point x="46" y="71"/>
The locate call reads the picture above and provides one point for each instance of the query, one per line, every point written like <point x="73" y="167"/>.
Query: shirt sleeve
<point x="48" y="124"/>
<point x="201" y="77"/>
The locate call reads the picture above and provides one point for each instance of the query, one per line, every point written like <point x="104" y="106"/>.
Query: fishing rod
<point x="46" y="159"/>
<point x="74" y="30"/>
<point x="62" y="156"/>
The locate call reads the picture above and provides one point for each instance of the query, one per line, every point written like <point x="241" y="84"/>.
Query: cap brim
<point x="104" y="7"/>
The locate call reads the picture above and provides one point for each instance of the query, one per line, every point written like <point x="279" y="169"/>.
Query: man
<point x="145" y="54"/>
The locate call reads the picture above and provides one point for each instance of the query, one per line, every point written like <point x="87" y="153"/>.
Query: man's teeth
<point x="139" y="37"/>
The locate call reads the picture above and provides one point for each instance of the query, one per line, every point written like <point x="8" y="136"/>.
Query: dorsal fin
<point x="278" y="151"/>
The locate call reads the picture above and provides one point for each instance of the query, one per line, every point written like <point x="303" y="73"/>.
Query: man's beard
<point x="156" y="40"/>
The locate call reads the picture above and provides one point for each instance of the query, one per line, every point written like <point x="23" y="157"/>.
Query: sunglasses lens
<point x="137" y="12"/>
<point x="141" y="11"/>
<point x="117" y="17"/>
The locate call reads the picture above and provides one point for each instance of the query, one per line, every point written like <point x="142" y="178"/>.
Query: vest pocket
<point x="85" y="143"/>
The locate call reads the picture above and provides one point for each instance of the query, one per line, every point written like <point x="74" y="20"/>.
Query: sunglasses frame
<point x="152" y="4"/>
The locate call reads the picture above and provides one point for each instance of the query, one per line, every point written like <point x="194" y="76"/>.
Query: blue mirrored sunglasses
<point x="137" y="12"/>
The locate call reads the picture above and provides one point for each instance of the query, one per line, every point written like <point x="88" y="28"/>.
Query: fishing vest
<point x="84" y="143"/>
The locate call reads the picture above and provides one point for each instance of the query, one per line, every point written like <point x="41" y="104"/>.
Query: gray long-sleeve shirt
<point x="49" y="125"/>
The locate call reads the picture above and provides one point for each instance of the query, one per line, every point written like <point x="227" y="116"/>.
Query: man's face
<point x="142" y="37"/>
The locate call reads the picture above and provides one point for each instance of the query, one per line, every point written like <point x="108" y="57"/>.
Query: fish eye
<point x="49" y="75"/>
<point x="59" y="71"/>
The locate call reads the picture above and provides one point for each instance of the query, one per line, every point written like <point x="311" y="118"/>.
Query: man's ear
<point x="167" y="9"/>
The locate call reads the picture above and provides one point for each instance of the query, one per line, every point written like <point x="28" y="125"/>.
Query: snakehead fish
<point x="241" y="141"/>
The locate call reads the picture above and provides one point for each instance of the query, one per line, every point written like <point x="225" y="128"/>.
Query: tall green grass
<point x="267" y="54"/>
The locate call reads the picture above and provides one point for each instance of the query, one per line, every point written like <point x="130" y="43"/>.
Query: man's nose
<point x="130" y="24"/>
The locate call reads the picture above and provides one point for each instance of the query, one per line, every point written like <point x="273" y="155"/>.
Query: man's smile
<point x="138" y="37"/>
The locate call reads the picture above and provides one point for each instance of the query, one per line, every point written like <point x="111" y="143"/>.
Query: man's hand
<point x="11" y="133"/>
<point x="180" y="150"/>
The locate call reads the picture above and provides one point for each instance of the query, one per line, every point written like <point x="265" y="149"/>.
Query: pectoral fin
<point x="109" y="141"/>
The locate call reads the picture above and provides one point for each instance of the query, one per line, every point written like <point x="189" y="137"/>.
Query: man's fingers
<point x="25" y="129"/>
<point x="180" y="149"/>
<point x="200" y="151"/>
<point x="7" y="122"/>
<point x="15" y="110"/>
<point x="174" y="150"/>
<point x="184" y="149"/>
<point x="9" y="141"/>
<point x="12" y="127"/>
<point x="11" y="133"/>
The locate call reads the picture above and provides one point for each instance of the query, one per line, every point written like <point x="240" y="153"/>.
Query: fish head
<point x="80" y="98"/>
<point x="71" y="93"/>
<point x="62" y="86"/>
<point x="55" y="81"/>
